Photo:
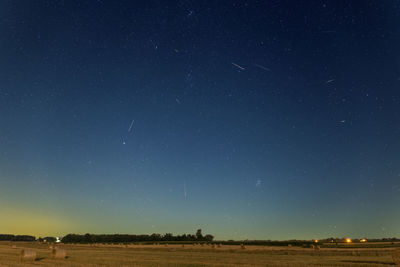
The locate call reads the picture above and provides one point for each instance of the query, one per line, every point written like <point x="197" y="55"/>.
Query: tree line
<point x="6" y="237"/>
<point x="126" y="238"/>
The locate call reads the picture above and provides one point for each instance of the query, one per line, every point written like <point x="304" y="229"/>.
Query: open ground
<point x="196" y="255"/>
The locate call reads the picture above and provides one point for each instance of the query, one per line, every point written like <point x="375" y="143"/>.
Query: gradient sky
<point x="250" y="119"/>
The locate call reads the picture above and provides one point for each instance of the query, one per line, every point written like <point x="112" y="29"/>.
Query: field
<point x="197" y="255"/>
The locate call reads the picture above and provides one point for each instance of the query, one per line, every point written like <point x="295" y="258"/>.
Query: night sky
<point x="247" y="119"/>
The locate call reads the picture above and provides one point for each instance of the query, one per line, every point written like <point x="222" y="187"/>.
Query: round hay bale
<point x="59" y="253"/>
<point x="396" y="257"/>
<point x="28" y="254"/>
<point x="317" y="247"/>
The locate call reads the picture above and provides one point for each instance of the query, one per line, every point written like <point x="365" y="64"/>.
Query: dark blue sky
<point x="256" y="119"/>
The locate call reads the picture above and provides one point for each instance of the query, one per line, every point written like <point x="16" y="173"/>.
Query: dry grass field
<point x="195" y="255"/>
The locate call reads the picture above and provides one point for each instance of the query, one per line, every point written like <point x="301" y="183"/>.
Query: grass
<point x="189" y="255"/>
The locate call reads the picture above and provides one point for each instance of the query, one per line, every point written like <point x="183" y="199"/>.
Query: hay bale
<point x="14" y="246"/>
<point x="242" y="246"/>
<point x="317" y="247"/>
<point x="289" y="245"/>
<point x="28" y="254"/>
<point x="396" y="257"/>
<point x="183" y="245"/>
<point x="59" y="253"/>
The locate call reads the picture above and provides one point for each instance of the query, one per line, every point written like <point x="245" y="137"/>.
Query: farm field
<point x="196" y="255"/>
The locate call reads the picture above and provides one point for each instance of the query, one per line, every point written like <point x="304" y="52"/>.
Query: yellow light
<point x="363" y="240"/>
<point x="348" y="240"/>
<point x="316" y="240"/>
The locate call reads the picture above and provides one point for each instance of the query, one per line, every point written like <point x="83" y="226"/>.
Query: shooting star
<point x="236" y="65"/>
<point x="262" y="67"/>
<point x="184" y="189"/>
<point x="329" y="81"/>
<point x="123" y="141"/>
<point x="130" y="127"/>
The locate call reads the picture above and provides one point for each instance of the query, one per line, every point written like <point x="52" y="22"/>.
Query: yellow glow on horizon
<point x="21" y="221"/>
<point x="363" y="240"/>
<point x="348" y="240"/>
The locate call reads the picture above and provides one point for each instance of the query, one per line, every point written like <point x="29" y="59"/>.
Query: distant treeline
<point x="5" y="237"/>
<point x="185" y="238"/>
<point x="125" y="238"/>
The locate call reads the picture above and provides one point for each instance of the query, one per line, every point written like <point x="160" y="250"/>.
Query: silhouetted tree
<point x="208" y="237"/>
<point x="4" y="237"/>
<point x="199" y="236"/>
<point x="87" y="238"/>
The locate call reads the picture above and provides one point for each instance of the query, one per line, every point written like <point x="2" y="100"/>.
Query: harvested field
<point x="177" y="255"/>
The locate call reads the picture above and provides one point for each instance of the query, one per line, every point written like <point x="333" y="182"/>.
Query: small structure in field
<point x="28" y="254"/>
<point x="59" y="253"/>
